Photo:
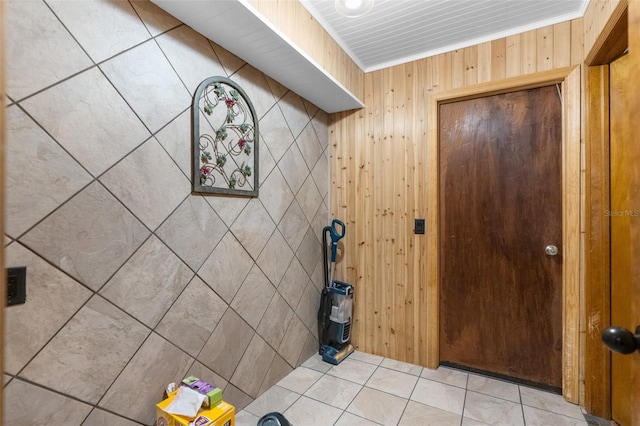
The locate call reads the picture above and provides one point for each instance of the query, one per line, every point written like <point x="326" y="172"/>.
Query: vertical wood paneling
<point x="301" y="28"/>
<point x="391" y="179"/>
<point x="595" y="19"/>
<point x="634" y="110"/>
<point x="513" y="56"/>
<point x="498" y="59"/>
<point x="484" y="62"/>
<point x="544" y="49"/>
<point x="571" y="234"/>
<point x="470" y="66"/>
<point x="457" y="69"/>
<point x="562" y="44"/>
<point x="528" y="52"/>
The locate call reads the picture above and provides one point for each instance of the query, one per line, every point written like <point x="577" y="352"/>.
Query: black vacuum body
<point x="336" y="302"/>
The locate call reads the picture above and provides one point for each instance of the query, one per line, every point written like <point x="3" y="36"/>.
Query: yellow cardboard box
<point x="222" y="414"/>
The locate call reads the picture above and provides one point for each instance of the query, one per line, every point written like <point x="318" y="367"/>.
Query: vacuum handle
<point x="337" y="232"/>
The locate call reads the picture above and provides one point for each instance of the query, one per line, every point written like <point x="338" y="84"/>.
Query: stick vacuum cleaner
<point x="336" y="302"/>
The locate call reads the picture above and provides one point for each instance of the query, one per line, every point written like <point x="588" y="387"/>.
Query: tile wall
<point x="133" y="282"/>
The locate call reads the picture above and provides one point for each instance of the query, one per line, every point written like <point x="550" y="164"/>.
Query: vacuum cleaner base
<point x="335" y="356"/>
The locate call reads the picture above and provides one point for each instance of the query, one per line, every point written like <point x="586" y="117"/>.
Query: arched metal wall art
<point x="225" y="139"/>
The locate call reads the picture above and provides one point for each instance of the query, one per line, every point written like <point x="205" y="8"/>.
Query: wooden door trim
<point x="597" y="377"/>
<point x="3" y="294"/>
<point x="569" y="77"/>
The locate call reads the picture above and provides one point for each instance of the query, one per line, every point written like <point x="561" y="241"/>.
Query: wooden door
<point x="623" y="214"/>
<point x="500" y="206"/>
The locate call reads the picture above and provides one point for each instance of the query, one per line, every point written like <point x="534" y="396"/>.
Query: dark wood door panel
<point x="501" y="205"/>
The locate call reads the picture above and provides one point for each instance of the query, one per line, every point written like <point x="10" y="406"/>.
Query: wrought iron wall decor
<point x="225" y="139"/>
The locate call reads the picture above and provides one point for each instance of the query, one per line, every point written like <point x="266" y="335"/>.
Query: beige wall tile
<point x="38" y="66"/>
<point x="89" y="237"/>
<point x="191" y="55"/>
<point x="79" y="113"/>
<point x="193" y="317"/>
<point x="37" y="169"/>
<point x="144" y="377"/>
<point x="149" y="183"/>
<point x="90" y="350"/>
<point x="53" y="298"/>
<point x="148" y="284"/>
<point x="103" y="28"/>
<point x="192" y="231"/>
<point x="145" y="79"/>
<point x="26" y="404"/>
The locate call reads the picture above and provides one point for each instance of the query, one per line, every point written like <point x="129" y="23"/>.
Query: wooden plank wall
<point x="301" y="28"/>
<point x="595" y="19"/>
<point x="378" y="160"/>
<point x="378" y="177"/>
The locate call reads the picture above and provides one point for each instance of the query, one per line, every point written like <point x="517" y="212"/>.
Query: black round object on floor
<point x="273" y="419"/>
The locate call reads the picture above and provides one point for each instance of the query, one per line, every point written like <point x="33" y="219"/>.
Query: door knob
<point x="551" y="250"/>
<point x="621" y="340"/>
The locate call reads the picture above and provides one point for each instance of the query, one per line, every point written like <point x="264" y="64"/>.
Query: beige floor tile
<point x="315" y="362"/>
<point x="550" y="402"/>
<point x="275" y="399"/>
<point x="491" y="410"/>
<point x="494" y="387"/>
<point x="440" y="395"/>
<point x="446" y="375"/>
<point x="244" y="418"/>
<point x="348" y="419"/>
<point x="353" y="370"/>
<point x="537" y="417"/>
<point x="404" y="367"/>
<point x="334" y="391"/>
<point x="417" y="414"/>
<point x="300" y="379"/>
<point x="306" y="411"/>
<point x="365" y="357"/>
<point x="377" y="406"/>
<point x="393" y="382"/>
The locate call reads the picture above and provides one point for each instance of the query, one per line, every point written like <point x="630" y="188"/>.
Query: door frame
<point x="608" y="46"/>
<point x="569" y="78"/>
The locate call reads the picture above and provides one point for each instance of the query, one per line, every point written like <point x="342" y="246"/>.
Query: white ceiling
<point x="393" y="32"/>
<point x="398" y="31"/>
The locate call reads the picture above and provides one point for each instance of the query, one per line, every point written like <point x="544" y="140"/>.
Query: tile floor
<point x="370" y="390"/>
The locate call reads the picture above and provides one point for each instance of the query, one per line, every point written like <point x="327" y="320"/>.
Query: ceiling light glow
<point x="353" y="8"/>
